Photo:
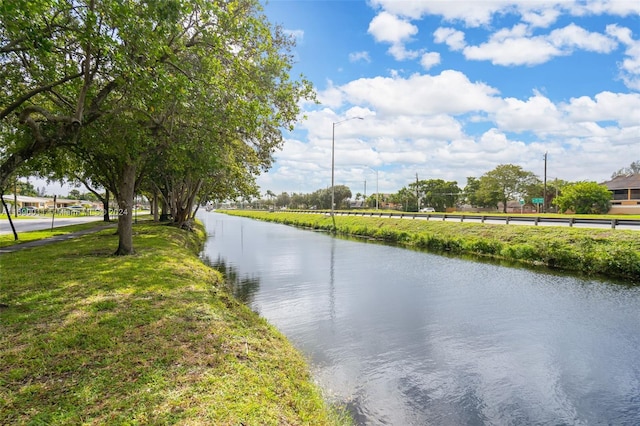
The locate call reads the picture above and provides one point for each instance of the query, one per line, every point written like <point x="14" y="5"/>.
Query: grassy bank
<point x="23" y="237"/>
<point x="153" y="338"/>
<point x="602" y="252"/>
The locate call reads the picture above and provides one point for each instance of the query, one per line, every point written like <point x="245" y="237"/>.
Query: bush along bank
<point x="152" y="338"/>
<point x="593" y="252"/>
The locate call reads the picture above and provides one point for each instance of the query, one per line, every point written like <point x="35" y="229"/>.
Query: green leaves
<point x="584" y="198"/>
<point x="191" y="93"/>
<point x="504" y="183"/>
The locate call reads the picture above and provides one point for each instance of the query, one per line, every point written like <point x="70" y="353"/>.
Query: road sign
<point x="537" y="200"/>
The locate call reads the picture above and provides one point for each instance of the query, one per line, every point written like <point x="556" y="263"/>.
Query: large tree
<point x="436" y="193"/>
<point x="60" y="64"/>
<point x="406" y="197"/>
<point x="585" y="198"/>
<point x="283" y="200"/>
<point x="505" y="183"/>
<point x="122" y="81"/>
<point x="342" y="196"/>
<point x="634" y="168"/>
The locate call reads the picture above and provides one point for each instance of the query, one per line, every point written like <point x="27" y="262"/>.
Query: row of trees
<point x="507" y="182"/>
<point x="182" y="100"/>
<point x="494" y="189"/>
<point x="320" y="199"/>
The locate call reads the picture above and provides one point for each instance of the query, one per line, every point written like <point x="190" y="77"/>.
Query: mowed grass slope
<point x="153" y="338"/>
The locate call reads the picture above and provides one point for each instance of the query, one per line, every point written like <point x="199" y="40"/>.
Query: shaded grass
<point x="602" y="252"/>
<point x="153" y="338"/>
<point x="8" y="239"/>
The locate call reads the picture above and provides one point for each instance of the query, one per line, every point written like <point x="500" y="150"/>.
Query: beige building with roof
<point x="626" y="194"/>
<point x="39" y="203"/>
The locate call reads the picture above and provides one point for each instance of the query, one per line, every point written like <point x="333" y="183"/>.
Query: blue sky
<point x="451" y="89"/>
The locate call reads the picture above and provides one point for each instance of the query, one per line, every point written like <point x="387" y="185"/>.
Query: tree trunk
<point x="6" y="209"/>
<point x="154" y="205"/>
<point x="124" y="196"/>
<point x="184" y="201"/>
<point x="105" y="206"/>
<point x="164" y="215"/>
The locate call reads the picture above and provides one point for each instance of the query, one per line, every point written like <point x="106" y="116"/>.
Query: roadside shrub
<point x="387" y="234"/>
<point x="619" y="261"/>
<point x="482" y="246"/>
<point x="404" y="237"/>
<point x="360" y="230"/>
<point x="522" y="252"/>
<point x="437" y="243"/>
<point x="557" y="255"/>
<point x="420" y="240"/>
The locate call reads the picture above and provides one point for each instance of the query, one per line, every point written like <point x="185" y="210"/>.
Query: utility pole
<point x="544" y="196"/>
<point x="365" y="194"/>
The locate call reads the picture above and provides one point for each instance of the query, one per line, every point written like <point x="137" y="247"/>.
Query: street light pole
<point x="377" y="190"/>
<point x="364" y="204"/>
<point x="333" y="161"/>
<point x="333" y="156"/>
<point x="544" y="197"/>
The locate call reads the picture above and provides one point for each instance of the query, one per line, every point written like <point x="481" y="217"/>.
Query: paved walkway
<point x="56" y="238"/>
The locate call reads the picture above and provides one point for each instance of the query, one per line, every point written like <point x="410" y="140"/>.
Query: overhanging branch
<point x="22" y="99"/>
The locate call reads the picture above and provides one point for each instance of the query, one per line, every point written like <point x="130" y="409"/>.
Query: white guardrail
<point x="613" y="223"/>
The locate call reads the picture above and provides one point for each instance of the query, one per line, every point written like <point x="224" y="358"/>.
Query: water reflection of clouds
<point x="405" y="337"/>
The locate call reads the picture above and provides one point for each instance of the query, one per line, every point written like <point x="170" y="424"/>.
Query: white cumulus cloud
<point x="359" y="56"/>
<point x="449" y="92"/>
<point x="516" y="46"/>
<point x="429" y="60"/>
<point x="630" y="66"/>
<point x="386" y="27"/>
<point x="573" y="36"/>
<point x="451" y="37"/>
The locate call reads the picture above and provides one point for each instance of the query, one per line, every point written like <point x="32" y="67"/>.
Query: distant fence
<point x="570" y="221"/>
<point x="66" y="211"/>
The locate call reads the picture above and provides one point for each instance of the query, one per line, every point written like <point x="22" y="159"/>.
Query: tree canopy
<point x="633" y="168"/>
<point x="182" y="98"/>
<point x="504" y="183"/>
<point x="585" y="198"/>
<point x="436" y="193"/>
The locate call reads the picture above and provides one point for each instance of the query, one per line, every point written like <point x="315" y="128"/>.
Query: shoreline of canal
<point x="154" y="337"/>
<point x="591" y="252"/>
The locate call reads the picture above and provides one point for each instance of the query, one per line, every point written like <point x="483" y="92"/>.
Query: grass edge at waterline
<point x="592" y="252"/>
<point x="152" y="338"/>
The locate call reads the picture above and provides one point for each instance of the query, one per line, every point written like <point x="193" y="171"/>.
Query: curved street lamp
<point x="333" y="151"/>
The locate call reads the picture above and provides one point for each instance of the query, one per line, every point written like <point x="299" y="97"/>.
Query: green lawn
<point x="23" y="237"/>
<point x="153" y="338"/>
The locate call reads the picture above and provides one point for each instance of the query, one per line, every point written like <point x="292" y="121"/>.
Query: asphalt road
<point x="37" y="224"/>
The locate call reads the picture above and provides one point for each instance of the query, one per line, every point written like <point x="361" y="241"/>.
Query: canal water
<point x="411" y="338"/>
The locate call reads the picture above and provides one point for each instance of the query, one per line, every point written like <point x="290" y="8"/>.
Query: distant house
<point x="24" y="201"/>
<point x="626" y="194"/>
<point x="514" y="206"/>
<point x="42" y="203"/>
